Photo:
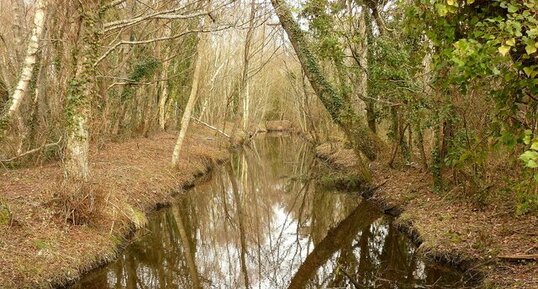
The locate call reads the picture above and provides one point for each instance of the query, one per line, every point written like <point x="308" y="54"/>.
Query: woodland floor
<point x="40" y="249"/>
<point x="449" y="230"/>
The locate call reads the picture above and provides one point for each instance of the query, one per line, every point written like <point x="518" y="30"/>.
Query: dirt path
<point x="451" y="231"/>
<point x="39" y="249"/>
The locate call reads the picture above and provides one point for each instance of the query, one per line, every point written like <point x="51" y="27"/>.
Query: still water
<point x="263" y="221"/>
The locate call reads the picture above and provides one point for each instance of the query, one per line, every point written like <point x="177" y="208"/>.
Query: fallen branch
<point x="519" y="257"/>
<point x="210" y="126"/>
<point x="32" y="151"/>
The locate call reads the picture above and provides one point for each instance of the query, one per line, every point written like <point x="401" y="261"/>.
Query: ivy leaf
<point x="508" y="139"/>
<point x="534" y="145"/>
<point x="527" y="136"/>
<point x="441" y="9"/>
<point x="530" y="48"/>
<point x="529" y="156"/>
<point x="511" y="42"/>
<point x="470" y="1"/>
<point x="503" y="49"/>
<point x="512" y="8"/>
<point x="528" y="71"/>
<point x="532" y="164"/>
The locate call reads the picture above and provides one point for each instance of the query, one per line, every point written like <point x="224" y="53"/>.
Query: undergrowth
<point x="79" y="203"/>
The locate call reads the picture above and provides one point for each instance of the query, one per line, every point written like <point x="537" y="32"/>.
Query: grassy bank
<point x="471" y="237"/>
<point x="44" y="245"/>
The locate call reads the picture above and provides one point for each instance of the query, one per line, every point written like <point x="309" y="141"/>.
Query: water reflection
<point x="260" y="222"/>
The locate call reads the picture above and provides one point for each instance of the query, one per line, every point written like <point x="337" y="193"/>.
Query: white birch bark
<point x="29" y="61"/>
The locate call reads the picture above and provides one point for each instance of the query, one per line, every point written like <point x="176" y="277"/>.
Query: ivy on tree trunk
<point x="339" y="106"/>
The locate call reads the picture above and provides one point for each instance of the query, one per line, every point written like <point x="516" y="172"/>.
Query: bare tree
<point x="185" y="120"/>
<point x="28" y="67"/>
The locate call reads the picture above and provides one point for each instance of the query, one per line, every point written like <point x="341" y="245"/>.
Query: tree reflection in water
<point x="262" y="222"/>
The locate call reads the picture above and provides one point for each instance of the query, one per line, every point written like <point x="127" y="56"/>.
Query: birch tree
<point x="28" y="67"/>
<point x="185" y="120"/>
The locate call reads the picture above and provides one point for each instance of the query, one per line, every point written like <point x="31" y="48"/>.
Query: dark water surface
<point x="262" y="221"/>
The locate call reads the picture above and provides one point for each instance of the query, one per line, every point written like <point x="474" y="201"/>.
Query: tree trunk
<point x="18" y="32"/>
<point x="185" y="120"/>
<point x="36" y="95"/>
<point x="27" y="68"/>
<point x="373" y="5"/>
<point x="243" y="93"/>
<point x="80" y="93"/>
<point x="368" y="37"/>
<point x="163" y="99"/>
<point x="190" y="253"/>
<point x="340" y="108"/>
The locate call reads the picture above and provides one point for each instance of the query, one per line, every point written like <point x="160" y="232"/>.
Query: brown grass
<point x="278" y="125"/>
<point x="59" y="231"/>
<point x="450" y="229"/>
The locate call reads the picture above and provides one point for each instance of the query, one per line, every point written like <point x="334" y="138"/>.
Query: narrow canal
<point x="264" y="221"/>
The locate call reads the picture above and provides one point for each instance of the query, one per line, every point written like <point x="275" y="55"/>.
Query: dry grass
<point x="450" y="230"/>
<point x="278" y="125"/>
<point x="337" y="155"/>
<point x="59" y="231"/>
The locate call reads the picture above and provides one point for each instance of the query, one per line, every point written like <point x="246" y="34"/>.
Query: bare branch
<point x="113" y="4"/>
<point x="126" y="42"/>
<point x="170" y="14"/>
<point x="157" y="15"/>
<point x="210" y="126"/>
<point x="32" y="151"/>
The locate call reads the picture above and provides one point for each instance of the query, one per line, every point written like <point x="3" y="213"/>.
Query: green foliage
<point x="475" y="40"/>
<point x="530" y="156"/>
<point x="143" y="69"/>
<point x="477" y="94"/>
<point x="392" y="69"/>
<point x="75" y="100"/>
<point x="527" y="203"/>
<point x="180" y="70"/>
<point x="319" y="14"/>
<point x="490" y="43"/>
<point x="526" y="188"/>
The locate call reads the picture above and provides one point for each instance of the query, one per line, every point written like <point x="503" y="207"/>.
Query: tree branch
<point x="210" y="126"/>
<point x="126" y="42"/>
<point x="171" y="14"/>
<point x="32" y="151"/>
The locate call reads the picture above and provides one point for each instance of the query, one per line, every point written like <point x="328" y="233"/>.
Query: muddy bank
<point x="450" y="231"/>
<point x="40" y="249"/>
